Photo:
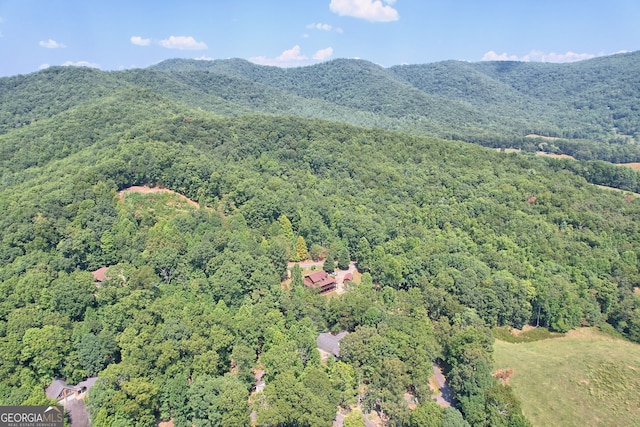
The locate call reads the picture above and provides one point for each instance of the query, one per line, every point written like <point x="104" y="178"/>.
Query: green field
<point x="584" y="379"/>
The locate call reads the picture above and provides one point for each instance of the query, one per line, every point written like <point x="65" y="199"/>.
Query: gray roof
<point x="330" y="343"/>
<point x="55" y="389"/>
<point x="87" y="384"/>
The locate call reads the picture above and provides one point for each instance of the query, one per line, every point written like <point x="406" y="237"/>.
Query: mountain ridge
<point x="591" y="103"/>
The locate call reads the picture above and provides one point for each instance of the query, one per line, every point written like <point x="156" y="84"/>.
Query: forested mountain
<point x="590" y="104"/>
<point x="451" y="239"/>
<point x="591" y="99"/>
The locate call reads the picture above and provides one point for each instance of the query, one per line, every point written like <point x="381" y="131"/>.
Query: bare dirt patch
<point x="503" y="375"/>
<point x="509" y="150"/>
<point x="635" y="166"/>
<point x="555" y="156"/>
<point x="535" y="135"/>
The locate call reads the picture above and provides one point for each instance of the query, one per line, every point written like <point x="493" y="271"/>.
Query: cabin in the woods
<point x="62" y="392"/>
<point x="329" y="344"/>
<point x="320" y="280"/>
<point x="100" y="275"/>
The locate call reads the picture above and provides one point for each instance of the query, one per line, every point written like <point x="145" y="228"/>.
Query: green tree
<point x="296" y="277"/>
<point x="344" y="259"/>
<point x="91" y="354"/>
<point x="72" y="294"/>
<point x="363" y="255"/>
<point x="287" y="228"/>
<point x="301" y="249"/>
<point x="329" y="264"/>
<point x="453" y="418"/>
<point x="427" y="414"/>
<point x="44" y="349"/>
<point x="354" y="419"/>
<point x="316" y="251"/>
<point x="219" y="402"/>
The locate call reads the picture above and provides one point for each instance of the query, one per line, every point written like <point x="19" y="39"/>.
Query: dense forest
<point x="452" y="239"/>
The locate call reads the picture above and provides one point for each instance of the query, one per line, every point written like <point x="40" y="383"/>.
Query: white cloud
<point x="370" y="10"/>
<point x="319" y="26"/>
<point x="535" y="55"/>
<point x="183" y="43"/>
<point x="293" y="57"/>
<point x="43" y="66"/>
<point x="538" y="56"/>
<point x="292" y="54"/>
<point x="139" y="41"/>
<point x="51" y="44"/>
<point x="493" y="56"/>
<point x="81" y="64"/>
<point x="204" y="58"/>
<point x="323" y="54"/>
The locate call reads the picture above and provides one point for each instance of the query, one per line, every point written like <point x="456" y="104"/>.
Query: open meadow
<point x="585" y="378"/>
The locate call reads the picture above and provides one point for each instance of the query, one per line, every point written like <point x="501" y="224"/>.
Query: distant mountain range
<point x="493" y="103"/>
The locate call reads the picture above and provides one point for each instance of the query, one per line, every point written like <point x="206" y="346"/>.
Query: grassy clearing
<point x="159" y="204"/>
<point x="586" y="378"/>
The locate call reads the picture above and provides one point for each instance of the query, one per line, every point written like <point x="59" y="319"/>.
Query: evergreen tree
<point x="363" y="255"/>
<point x="296" y="277"/>
<point x="329" y="264"/>
<point x="301" y="249"/>
<point x="287" y="228"/>
<point x="344" y="259"/>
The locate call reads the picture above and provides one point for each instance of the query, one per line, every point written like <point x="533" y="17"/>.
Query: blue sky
<point x="115" y="34"/>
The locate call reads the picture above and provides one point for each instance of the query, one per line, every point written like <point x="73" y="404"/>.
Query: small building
<point x="100" y="275"/>
<point x="62" y="392"/>
<point x="347" y="278"/>
<point x="329" y="344"/>
<point x="320" y="280"/>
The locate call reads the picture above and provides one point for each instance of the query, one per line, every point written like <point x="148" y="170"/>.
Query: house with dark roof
<point x="329" y="344"/>
<point x="61" y="392"/>
<point x="320" y="280"/>
<point x="72" y="398"/>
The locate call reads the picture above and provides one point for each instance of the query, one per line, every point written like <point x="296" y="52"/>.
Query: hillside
<point x="590" y="104"/>
<point x="451" y="239"/>
<point x="586" y="100"/>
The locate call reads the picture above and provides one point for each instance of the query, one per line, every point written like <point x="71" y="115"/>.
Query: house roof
<point x="87" y="384"/>
<point x="330" y="343"/>
<point x="348" y="277"/>
<point x="319" y="279"/>
<point x="54" y="391"/>
<point x="100" y="274"/>
<point x="55" y="388"/>
<point x="317" y="276"/>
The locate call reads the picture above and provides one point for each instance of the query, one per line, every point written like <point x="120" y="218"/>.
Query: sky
<point x="116" y="34"/>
